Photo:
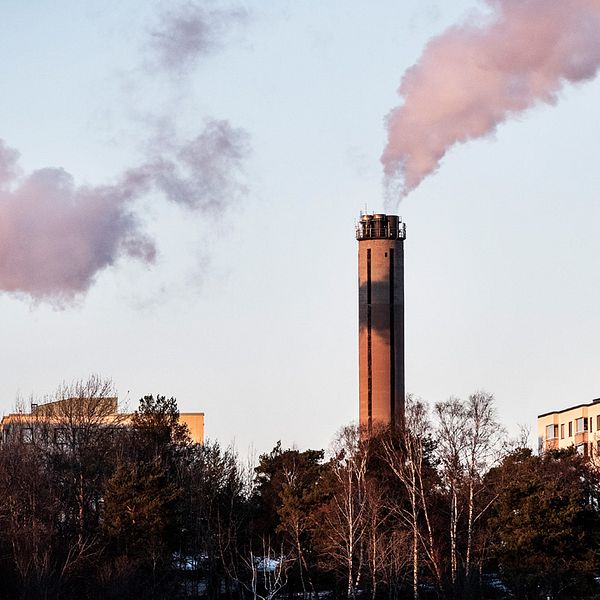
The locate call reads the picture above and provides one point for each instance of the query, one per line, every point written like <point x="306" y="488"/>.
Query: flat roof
<point x="557" y="412"/>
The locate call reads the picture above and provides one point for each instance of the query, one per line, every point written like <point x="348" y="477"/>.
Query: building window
<point x="42" y="434"/>
<point x="598" y="422"/>
<point x="570" y="428"/>
<point x="26" y="435"/>
<point x="581" y="425"/>
<point x="60" y="436"/>
<point x="562" y="431"/>
<point x="551" y="432"/>
<point x="581" y="449"/>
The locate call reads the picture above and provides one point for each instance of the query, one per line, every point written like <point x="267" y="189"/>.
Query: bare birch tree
<point x="79" y="427"/>
<point x="452" y="436"/>
<point x="345" y="516"/>
<point x="469" y="441"/>
<point x="484" y="443"/>
<point x="407" y="459"/>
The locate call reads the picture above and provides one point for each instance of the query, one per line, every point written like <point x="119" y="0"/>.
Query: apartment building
<point x="56" y="422"/>
<point x="577" y="426"/>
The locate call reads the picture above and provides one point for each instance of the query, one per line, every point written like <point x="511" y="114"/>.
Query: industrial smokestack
<point x="381" y="320"/>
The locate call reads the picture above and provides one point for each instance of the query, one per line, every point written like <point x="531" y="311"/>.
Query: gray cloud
<point x="202" y="173"/>
<point x="190" y="31"/>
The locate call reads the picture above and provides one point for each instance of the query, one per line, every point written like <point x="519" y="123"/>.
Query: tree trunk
<point x="453" y="534"/>
<point x="469" y="531"/>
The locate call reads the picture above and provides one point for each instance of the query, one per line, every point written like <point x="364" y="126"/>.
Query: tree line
<point x="444" y="508"/>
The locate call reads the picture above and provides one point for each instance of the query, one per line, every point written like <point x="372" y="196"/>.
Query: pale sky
<point x="250" y="314"/>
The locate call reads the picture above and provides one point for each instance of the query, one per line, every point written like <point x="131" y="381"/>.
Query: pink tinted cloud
<point x="55" y="236"/>
<point x="478" y="74"/>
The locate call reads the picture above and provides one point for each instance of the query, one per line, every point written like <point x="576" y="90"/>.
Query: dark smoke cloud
<point x="55" y="236"/>
<point x="189" y="32"/>
<point x="476" y="75"/>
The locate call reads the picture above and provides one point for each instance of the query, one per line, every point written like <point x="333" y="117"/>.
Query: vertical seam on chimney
<point x="369" y="346"/>
<point x="392" y="342"/>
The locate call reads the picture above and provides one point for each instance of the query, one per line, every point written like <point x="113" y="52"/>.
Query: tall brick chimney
<point x="381" y="320"/>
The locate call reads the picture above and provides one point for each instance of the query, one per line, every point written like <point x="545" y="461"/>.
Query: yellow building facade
<point x="577" y="426"/>
<point x="54" y="421"/>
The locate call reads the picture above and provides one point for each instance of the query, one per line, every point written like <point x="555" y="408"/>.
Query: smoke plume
<point x="189" y="32"/>
<point x="201" y="173"/>
<point x="55" y="236"/>
<point x="477" y="74"/>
